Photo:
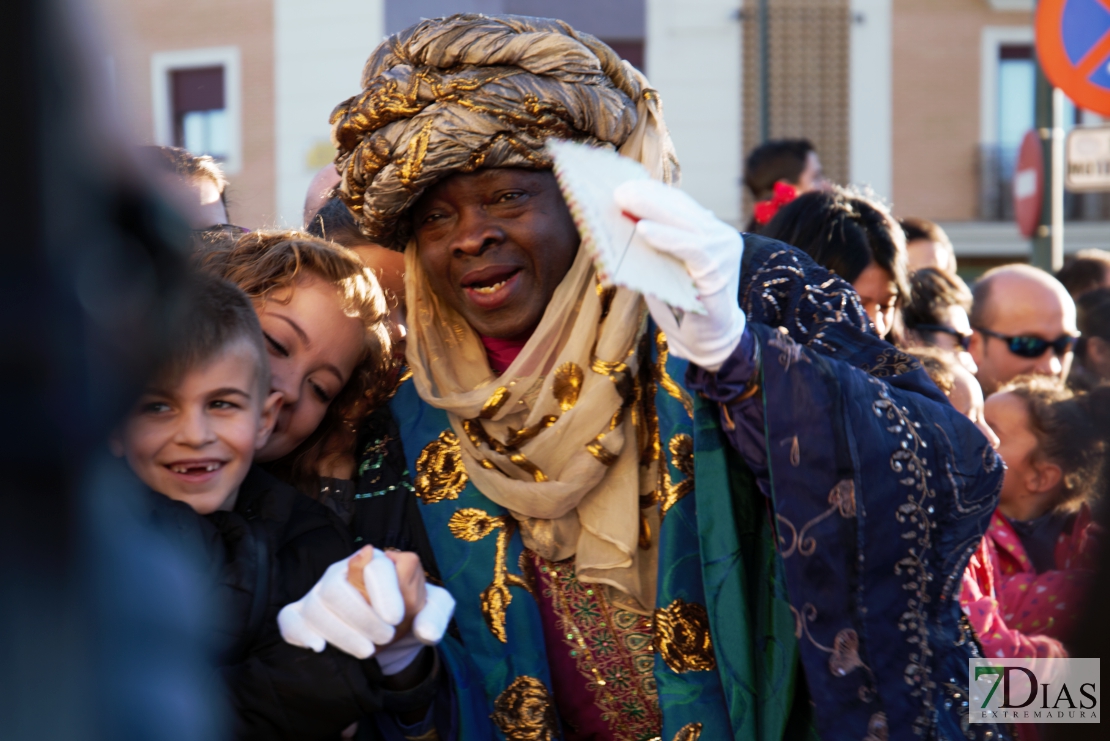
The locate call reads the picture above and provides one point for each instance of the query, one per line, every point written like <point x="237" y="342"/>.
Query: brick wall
<point x="143" y="27"/>
<point x="936" y="51"/>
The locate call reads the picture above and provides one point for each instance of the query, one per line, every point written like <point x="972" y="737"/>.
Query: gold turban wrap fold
<point x="556" y="439"/>
<point x="470" y="91"/>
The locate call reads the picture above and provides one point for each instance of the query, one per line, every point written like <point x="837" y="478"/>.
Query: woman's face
<point x="878" y="293"/>
<point x="314" y="347"/>
<point x="495" y="244"/>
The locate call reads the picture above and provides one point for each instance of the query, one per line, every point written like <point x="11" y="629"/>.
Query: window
<point x="1007" y="112"/>
<point x="199" y="112"/>
<point x="197" y="102"/>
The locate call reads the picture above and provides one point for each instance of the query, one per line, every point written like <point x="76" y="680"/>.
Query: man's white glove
<point x="675" y="224"/>
<point x="335" y="612"/>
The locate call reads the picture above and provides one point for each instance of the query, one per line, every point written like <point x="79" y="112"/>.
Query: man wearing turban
<point x="748" y="524"/>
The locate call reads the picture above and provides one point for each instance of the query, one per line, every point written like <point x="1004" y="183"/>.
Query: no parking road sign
<point x="1073" y="45"/>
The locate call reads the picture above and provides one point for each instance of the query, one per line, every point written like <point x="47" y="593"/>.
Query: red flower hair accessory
<point x="764" y="211"/>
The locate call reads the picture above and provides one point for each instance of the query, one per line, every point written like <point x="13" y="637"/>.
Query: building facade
<point x="923" y="101"/>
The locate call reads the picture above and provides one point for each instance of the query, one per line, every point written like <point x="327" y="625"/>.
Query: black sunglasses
<point x="1033" y="347"/>
<point x="963" y="339"/>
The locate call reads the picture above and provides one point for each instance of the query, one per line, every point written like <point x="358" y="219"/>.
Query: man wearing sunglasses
<point x="1023" y="323"/>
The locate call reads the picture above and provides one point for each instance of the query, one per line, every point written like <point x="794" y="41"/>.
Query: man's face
<point x="813" y="176"/>
<point x="195" y="442"/>
<point x="495" y="245"/>
<point x="1022" y="306"/>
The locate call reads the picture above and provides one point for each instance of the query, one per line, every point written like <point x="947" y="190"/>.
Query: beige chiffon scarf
<point x="553" y="439"/>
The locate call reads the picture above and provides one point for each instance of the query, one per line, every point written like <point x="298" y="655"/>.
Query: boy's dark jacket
<point x="261" y="556"/>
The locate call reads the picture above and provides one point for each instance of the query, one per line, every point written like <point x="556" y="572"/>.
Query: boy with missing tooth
<point x="192" y="437"/>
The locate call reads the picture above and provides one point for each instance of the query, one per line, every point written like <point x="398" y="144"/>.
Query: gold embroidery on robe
<point x="472" y="525"/>
<point x="689" y="732"/>
<point x="611" y="648"/>
<point x="525" y="712"/>
<point x="665" y="380"/>
<point x="440" y="473"/>
<point x="681" y="448"/>
<point x="682" y="637"/>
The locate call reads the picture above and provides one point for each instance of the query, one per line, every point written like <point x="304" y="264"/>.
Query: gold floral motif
<point x="567" y="385"/>
<point x="440" y="473"/>
<point x="877" y="728"/>
<point x="612" y="649"/>
<point x="842" y="498"/>
<point x="524" y="711"/>
<point x="891" y="362"/>
<point x="681" y="448"/>
<point x="910" y="464"/>
<point x="689" y="732"/>
<point x="843" y="654"/>
<point x="665" y="379"/>
<point x="791" y="352"/>
<point x="472" y="525"/>
<point x="682" y="637"/>
<point x="494" y="404"/>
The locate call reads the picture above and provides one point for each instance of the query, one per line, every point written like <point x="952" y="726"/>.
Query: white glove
<point x="427" y="630"/>
<point x="335" y="612"/>
<point x="675" y="224"/>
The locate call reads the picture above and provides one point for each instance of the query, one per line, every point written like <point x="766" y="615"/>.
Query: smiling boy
<point x="193" y="434"/>
<point x="192" y="437"/>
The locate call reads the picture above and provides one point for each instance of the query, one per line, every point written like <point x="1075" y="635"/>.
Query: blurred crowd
<point x="1022" y="353"/>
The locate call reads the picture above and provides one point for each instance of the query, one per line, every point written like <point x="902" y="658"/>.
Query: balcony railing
<point x="996" y="200"/>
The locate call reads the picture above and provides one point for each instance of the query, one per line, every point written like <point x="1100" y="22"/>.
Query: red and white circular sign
<point x="1029" y="183"/>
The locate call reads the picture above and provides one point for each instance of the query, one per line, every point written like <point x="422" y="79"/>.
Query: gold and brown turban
<point x="470" y="91"/>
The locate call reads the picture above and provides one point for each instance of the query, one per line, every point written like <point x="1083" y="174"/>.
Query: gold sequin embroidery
<point x="524" y="711"/>
<point x="611" y="648"/>
<point x="669" y="385"/>
<point x="682" y="637"/>
<point x="440" y="473"/>
<point x="567" y="385"/>
<point x="472" y="525"/>
<point x="681" y="448"/>
<point x="689" y="732"/>
<point x="493" y="406"/>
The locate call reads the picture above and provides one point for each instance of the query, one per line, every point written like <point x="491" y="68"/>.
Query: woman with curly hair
<point x="324" y="320"/>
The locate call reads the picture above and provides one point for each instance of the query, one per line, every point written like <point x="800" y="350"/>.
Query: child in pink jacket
<point x="1025" y="586"/>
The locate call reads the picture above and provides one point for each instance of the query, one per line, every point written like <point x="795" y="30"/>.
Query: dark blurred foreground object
<point x="101" y="622"/>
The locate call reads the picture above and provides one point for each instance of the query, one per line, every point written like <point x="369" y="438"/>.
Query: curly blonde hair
<point x="266" y="261"/>
<point x="1071" y="430"/>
